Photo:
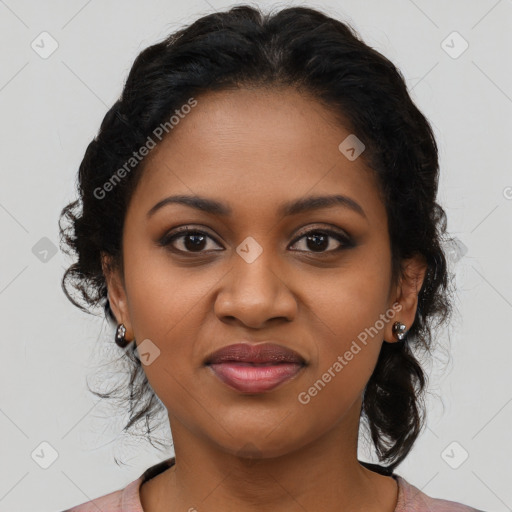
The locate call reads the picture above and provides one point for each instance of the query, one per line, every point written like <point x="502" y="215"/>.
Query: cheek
<point x="349" y="301"/>
<point x="161" y="294"/>
<point x="347" y="316"/>
<point x="168" y="305"/>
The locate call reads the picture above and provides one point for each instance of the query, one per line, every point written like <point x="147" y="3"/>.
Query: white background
<point x="50" y="110"/>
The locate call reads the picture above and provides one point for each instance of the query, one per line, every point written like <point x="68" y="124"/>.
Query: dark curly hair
<point x="307" y="50"/>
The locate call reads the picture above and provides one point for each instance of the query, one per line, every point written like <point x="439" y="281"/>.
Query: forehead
<point x="252" y="147"/>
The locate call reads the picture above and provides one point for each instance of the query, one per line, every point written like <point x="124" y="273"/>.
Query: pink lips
<point x="254" y="368"/>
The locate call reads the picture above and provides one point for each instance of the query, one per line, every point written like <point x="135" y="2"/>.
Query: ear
<point x="406" y="294"/>
<point x="116" y="294"/>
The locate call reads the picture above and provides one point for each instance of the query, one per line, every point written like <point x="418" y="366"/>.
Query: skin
<point x="253" y="150"/>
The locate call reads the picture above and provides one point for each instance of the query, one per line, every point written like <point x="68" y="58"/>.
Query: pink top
<point x="410" y="498"/>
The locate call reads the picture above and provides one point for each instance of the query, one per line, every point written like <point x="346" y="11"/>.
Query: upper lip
<point x="251" y="353"/>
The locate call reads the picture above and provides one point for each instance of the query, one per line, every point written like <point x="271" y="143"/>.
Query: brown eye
<point x="318" y="240"/>
<point x="191" y="241"/>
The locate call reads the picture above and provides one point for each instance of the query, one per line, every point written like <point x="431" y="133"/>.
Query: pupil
<point x="316" y="243"/>
<point x="316" y="237"/>
<point x="199" y="239"/>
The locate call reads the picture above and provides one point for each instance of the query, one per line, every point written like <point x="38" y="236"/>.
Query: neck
<point x="313" y="477"/>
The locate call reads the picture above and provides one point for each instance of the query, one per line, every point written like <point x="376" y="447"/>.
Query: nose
<point x="255" y="294"/>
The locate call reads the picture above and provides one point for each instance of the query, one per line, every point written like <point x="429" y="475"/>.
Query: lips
<point x="264" y="353"/>
<point x="255" y="368"/>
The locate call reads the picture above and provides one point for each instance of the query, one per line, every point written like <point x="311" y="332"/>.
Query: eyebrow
<point x="289" y="208"/>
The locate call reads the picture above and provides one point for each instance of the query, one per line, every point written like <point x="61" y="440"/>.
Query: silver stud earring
<point x="399" y="330"/>
<point x="120" y="336"/>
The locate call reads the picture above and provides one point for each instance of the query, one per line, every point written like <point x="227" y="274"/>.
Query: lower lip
<point x="254" y="379"/>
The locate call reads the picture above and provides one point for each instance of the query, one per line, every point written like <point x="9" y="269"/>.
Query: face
<point x="316" y="280"/>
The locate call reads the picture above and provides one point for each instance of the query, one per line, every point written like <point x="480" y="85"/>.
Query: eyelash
<point x="167" y="240"/>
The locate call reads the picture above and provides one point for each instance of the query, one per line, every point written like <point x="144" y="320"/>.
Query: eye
<point x="192" y="240"/>
<point x="318" y="240"/>
<point x="196" y="241"/>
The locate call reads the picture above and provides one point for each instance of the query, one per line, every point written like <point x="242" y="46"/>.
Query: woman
<point x="258" y="216"/>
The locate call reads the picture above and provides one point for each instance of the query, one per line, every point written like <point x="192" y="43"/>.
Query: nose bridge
<point x="255" y="266"/>
<point x="254" y="290"/>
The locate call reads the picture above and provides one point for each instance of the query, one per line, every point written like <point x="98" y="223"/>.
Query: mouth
<point x="255" y="368"/>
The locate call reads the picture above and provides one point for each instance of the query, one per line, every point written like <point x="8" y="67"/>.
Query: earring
<point x="121" y="341"/>
<point x="399" y="330"/>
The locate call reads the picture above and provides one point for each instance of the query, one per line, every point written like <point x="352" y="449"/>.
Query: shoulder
<point x="122" y="500"/>
<point x="127" y="499"/>
<point x="411" y="499"/>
